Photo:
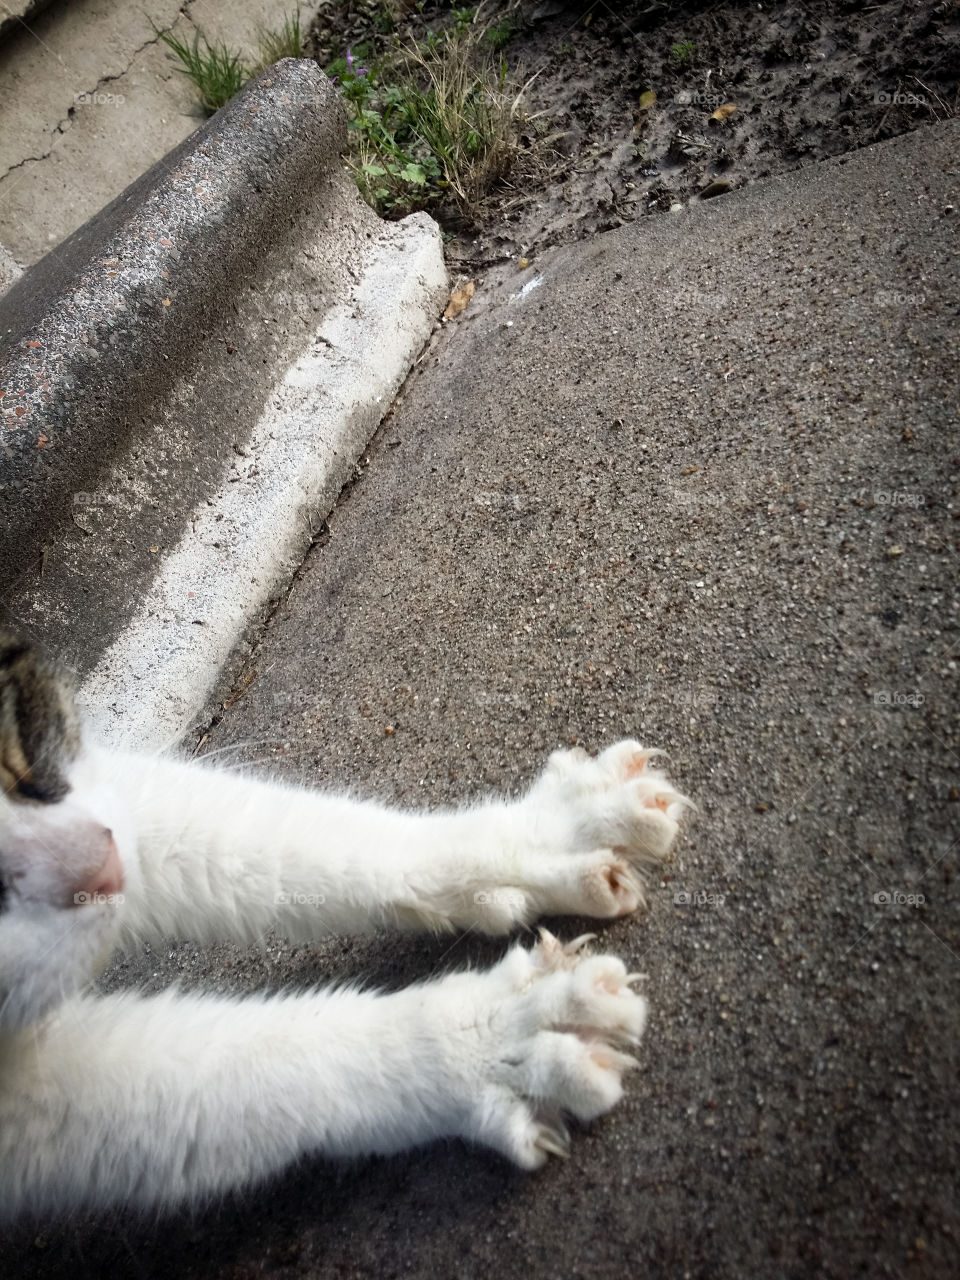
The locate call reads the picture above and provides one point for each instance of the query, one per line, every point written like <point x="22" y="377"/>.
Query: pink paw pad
<point x="636" y="764"/>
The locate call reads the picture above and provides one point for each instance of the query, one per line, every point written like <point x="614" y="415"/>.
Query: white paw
<point x="538" y="1040"/>
<point x="587" y="830"/>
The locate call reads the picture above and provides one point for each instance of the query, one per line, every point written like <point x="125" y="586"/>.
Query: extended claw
<point x="554" y="1142"/>
<point x="640" y="759"/>
<point x="550" y="944"/>
<point x="610" y="1059"/>
<point x="578" y="944"/>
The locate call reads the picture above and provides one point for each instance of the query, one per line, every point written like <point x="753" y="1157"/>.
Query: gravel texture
<point x="698" y="486"/>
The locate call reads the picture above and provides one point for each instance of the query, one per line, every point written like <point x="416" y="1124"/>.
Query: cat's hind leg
<point x="157" y="1101"/>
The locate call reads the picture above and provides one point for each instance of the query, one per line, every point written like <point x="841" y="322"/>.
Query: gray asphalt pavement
<point x="698" y="485"/>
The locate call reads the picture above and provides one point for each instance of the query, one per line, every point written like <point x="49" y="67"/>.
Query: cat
<point x="152" y="1102"/>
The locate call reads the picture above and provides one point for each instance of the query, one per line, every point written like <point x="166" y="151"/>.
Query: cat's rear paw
<point x="564" y="1019"/>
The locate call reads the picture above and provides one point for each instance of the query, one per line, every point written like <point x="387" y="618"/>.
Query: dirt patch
<point x="630" y="90"/>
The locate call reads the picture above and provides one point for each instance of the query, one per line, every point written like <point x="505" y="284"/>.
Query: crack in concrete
<point x="58" y="128"/>
<point x="61" y="127"/>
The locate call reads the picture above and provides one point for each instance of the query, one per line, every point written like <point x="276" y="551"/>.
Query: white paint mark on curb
<point x="529" y="287"/>
<point x="237" y="551"/>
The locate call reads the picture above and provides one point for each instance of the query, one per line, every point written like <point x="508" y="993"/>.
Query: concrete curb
<point x="10" y="269"/>
<point x="188" y="381"/>
<point x="253" y="533"/>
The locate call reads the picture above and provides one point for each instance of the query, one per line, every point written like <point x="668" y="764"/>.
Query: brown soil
<point x="808" y="81"/>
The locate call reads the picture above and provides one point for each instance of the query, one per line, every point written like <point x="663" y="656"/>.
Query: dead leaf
<point x="716" y="188"/>
<point x="523" y="263"/>
<point x="893" y="552"/>
<point x="459" y="300"/>
<point x="722" y="113"/>
<point x="689" y="471"/>
<point x="647" y="100"/>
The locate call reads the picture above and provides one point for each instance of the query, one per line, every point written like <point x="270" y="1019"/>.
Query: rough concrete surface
<point x="696" y="485"/>
<point x="187" y="382"/>
<point x="92" y="99"/>
<point x="10" y="269"/>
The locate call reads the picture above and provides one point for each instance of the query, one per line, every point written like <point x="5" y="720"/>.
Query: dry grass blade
<point x="466" y="118"/>
<point x="442" y="126"/>
<point x="282" y="42"/>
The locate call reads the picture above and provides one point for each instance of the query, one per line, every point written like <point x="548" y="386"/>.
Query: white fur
<point x="156" y="1101"/>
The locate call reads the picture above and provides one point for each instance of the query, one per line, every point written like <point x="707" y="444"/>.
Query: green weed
<point x="432" y="122"/>
<point x="219" y="72"/>
<point x="216" y="72"/>
<point x="682" y="52"/>
<point x="435" y="122"/>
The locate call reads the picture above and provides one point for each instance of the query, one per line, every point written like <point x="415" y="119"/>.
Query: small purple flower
<point x="360" y="71"/>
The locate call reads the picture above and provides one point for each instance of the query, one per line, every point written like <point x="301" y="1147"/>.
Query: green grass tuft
<point x="432" y="123"/>
<point x="282" y="42"/>
<point x="219" y="73"/>
<point x="216" y="72"/>
<point x="435" y="123"/>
